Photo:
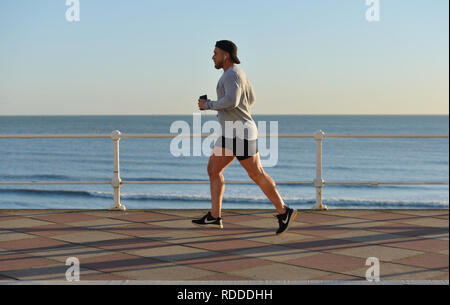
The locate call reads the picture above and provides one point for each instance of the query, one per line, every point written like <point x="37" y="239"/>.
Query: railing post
<point x="319" y="182"/>
<point x="116" y="182"/>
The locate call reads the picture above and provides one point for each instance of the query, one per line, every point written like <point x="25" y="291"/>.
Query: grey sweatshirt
<point x="235" y="97"/>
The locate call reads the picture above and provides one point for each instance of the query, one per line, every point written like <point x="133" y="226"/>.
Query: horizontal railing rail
<point x="116" y="182"/>
<point x="162" y="136"/>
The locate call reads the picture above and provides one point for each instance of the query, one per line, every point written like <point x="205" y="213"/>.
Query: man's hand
<point x="202" y="104"/>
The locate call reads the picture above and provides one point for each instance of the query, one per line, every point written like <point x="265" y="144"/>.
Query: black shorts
<point x="242" y="149"/>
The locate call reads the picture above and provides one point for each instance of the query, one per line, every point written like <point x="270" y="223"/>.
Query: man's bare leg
<point x="217" y="164"/>
<point x="256" y="172"/>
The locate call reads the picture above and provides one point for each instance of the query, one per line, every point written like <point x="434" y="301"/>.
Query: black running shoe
<point x="286" y="219"/>
<point x="208" y="221"/>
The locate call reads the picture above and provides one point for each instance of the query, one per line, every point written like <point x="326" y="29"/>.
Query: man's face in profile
<point x="218" y="58"/>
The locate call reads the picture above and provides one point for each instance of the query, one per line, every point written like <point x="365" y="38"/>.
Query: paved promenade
<point x="162" y="245"/>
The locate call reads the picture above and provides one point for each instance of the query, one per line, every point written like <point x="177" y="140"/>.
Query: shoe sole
<point x="290" y="221"/>
<point x="208" y="226"/>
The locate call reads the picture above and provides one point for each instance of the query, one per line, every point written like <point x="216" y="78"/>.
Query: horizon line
<point x="163" y="114"/>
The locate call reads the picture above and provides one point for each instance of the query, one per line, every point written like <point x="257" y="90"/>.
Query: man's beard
<point x="220" y="65"/>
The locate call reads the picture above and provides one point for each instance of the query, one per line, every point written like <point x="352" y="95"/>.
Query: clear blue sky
<point x="154" y="57"/>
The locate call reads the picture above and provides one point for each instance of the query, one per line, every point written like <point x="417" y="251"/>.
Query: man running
<point x="235" y="97"/>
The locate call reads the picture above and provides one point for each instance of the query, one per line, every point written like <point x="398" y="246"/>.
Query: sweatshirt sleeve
<point x="232" y="96"/>
<point x="251" y="97"/>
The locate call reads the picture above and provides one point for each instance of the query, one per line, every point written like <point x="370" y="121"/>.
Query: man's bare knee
<point x="214" y="171"/>
<point x="215" y="174"/>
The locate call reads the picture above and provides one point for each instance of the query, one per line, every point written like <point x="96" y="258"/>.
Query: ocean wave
<point x="437" y="162"/>
<point x="344" y="203"/>
<point x="72" y="178"/>
<point x="384" y="203"/>
<point x="71" y="193"/>
<point x="52" y="177"/>
<point x="382" y="186"/>
<point x="160" y="179"/>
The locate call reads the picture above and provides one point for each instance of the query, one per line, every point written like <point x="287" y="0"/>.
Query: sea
<point x="152" y="159"/>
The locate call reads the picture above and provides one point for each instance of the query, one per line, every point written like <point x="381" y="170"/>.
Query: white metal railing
<point x="318" y="182"/>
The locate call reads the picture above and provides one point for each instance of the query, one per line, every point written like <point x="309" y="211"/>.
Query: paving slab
<point x="382" y="253"/>
<point x="224" y="263"/>
<point x="281" y="272"/>
<point x="426" y="260"/>
<point x="368" y="237"/>
<point x="81" y="252"/>
<point x="166" y="272"/>
<point x="21" y="222"/>
<point x="65" y="217"/>
<point x="20" y="261"/>
<point x="270" y="238"/>
<point x="88" y="236"/>
<point x="171" y="253"/>
<point x="118" y="262"/>
<point x="136" y="229"/>
<point x="50" y="230"/>
<point x="226" y="244"/>
<point x="329" y="262"/>
<point x="180" y="237"/>
<point x="102" y="223"/>
<point x="420" y="244"/>
<point x="31" y="245"/>
<point x="46" y="273"/>
<point x="276" y="253"/>
<point x="6" y="235"/>
<point x="390" y="271"/>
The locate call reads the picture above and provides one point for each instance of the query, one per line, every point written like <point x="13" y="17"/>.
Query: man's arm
<point x="232" y="95"/>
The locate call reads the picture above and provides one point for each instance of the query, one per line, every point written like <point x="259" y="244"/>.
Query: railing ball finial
<point x="319" y="135"/>
<point x="115" y="135"/>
